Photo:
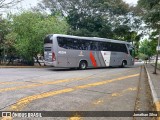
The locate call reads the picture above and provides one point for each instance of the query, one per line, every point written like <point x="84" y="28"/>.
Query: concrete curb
<point x="153" y="92"/>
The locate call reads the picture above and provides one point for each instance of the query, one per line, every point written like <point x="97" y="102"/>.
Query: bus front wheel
<point x="83" y="65"/>
<point x="124" y="63"/>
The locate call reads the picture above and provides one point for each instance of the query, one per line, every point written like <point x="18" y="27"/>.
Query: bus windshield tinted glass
<point x="48" y="39"/>
<point x="132" y="52"/>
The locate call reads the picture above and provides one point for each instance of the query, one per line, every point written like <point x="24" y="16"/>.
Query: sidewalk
<point x="154" y="82"/>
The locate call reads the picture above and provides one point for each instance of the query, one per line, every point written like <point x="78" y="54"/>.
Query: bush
<point x="143" y="56"/>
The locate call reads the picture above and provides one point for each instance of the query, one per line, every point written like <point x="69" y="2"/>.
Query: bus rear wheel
<point x="123" y="64"/>
<point x="83" y="65"/>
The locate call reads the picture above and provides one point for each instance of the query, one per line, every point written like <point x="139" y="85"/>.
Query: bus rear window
<point x="48" y="39"/>
<point x="47" y="49"/>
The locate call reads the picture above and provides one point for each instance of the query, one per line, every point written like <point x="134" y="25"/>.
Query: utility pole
<point x="155" y="67"/>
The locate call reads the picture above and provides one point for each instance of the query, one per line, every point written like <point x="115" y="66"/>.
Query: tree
<point x="9" y="44"/>
<point x="142" y="56"/>
<point x="8" y="3"/>
<point x="82" y="24"/>
<point x="88" y="7"/>
<point x="147" y="48"/>
<point x="100" y="18"/>
<point x="4" y="30"/>
<point x="151" y="14"/>
<point x="31" y="28"/>
<point x="150" y="10"/>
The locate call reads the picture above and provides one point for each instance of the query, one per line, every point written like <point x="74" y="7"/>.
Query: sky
<point x="132" y="2"/>
<point x="26" y="4"/>
<point x="33" y="2"/>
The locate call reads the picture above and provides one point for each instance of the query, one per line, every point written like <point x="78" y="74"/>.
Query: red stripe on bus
<point x="93" y="59"/>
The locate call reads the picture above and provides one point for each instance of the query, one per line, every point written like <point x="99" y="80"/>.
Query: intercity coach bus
<point x="83" y="52"/>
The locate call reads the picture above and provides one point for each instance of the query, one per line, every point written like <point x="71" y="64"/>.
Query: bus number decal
<point x="62" y="52"/>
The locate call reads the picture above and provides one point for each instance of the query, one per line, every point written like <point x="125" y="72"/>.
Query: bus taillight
<point x="53" y="56"/>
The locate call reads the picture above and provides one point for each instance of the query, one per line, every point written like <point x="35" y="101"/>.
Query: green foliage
<point x="101" y="22"/>
<point x="31" y="28"/>
<point x="147" y="48"/>
<point x="86" y="25"/>
<point x="151" y="12"/>
<point x="24" y="33"/>
<point x="88" y="7"/>
<point x="102" y="18"/>
<point x="122" y="32"/>
<point x="9" y="43"/>
<point x="5" y="28"/>
<point x="142" y="56"/>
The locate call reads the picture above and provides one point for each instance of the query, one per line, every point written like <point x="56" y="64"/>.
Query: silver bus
<point x="83" y="52"/>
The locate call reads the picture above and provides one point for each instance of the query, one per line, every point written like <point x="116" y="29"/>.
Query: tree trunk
<point x="38" y="61"/>
<point x="10" y="60"/>
<point x="155" y="68"/>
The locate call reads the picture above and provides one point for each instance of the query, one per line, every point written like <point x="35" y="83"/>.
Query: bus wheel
<point x="83" y="65"/>
<point x="123" y="64"/>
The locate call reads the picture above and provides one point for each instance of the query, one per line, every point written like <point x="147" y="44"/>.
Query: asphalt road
<point x="48" y="89"/>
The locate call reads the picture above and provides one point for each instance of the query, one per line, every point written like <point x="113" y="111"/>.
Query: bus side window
<point x="94" y="45"/>
<point x="112" y="47"/>
<point x="104" y="46"/>
<point x="75" y="44"/>
<point x="91" y="45"/>
<point x="60" y="42"/>
<point x="124" y="48"/>
<point x="71" y="43"/>
<point x="100" y="46"/>
<point x="87" y="45"/>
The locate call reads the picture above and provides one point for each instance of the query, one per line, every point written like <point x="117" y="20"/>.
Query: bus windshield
<point x="131" y="50"/>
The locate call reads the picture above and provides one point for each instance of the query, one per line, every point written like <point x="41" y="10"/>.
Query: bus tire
<point x="124" y="63"/>
<point x="83" y="65"/>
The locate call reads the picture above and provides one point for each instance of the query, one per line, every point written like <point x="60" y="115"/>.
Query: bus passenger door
<point x="104" y="54"/>
<point x="105" y="58"/>
<point x="114" y="59"/>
